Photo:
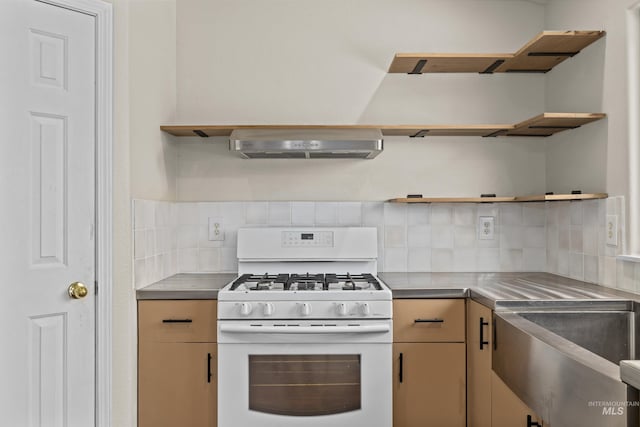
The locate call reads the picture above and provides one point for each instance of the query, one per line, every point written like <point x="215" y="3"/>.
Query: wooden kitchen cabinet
<point x="428" y="320"/>
<point x="174" y="384"/>
<point x="507" y="410"/>
<point x="490" y="402"/>
<point x="429" y="386"/>
<point x="479" y="342"/>
<point x="177" y="363"/>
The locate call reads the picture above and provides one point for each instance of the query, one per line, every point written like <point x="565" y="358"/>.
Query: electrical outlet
<point x="612" y="230"/>
<point x="486" y="228"/>
<point x="216" y="231"/>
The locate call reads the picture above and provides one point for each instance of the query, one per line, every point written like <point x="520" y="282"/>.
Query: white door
<point x="47" y="211"/>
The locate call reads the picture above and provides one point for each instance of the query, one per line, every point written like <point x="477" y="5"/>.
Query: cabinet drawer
<point x="428" y="320"/>
<point x="177" y="320"/>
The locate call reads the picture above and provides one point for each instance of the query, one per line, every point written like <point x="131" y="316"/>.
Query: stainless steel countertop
<point x="494" y="290"/>
<point x="187" y="286"/>
<point x="500" y="290"/>
<point x="630" y="372"/>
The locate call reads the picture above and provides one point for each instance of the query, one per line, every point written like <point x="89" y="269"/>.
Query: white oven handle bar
<point x="360" y="329"/>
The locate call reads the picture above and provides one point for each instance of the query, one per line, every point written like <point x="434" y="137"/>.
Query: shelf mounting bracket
<point x="420" y="134"/>
<point x="491" y="68"/>
<point x="419" y="66"/>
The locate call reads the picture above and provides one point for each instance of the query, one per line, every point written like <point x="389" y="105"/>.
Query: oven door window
<point x="304" y="385"/>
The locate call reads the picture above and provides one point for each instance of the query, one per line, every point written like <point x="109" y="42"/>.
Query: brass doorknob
<point x="77" y="290"/>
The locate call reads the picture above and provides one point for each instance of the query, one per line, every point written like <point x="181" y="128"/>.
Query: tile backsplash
<point x="577" y="248"/>
<point x="155" y="251"/>
<point x="566" y="238"/>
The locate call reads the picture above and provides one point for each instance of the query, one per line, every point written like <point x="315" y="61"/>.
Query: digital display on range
<point x="306" y="236"/>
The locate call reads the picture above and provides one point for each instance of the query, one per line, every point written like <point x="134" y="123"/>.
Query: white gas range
<point x="305" y="331"/>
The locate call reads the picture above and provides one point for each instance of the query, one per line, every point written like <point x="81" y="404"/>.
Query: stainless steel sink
<point x="563" y="362"/>
<point x="605" y="333"/>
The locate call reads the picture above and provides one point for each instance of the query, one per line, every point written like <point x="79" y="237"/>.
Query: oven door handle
<point x="359" y="329"/>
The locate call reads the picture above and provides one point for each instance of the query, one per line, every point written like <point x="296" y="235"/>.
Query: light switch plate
<point x="486" y="228"/>
<point x="216" y="231"/>
<point x="611" y="230"/>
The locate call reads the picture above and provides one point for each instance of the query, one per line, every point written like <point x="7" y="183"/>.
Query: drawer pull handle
<point x="177" y="321"/>
<point x="482" y="340"/>
<point x="436" y="320"/>
<point x="209" y="367"/>
<point x="401" y="368"/>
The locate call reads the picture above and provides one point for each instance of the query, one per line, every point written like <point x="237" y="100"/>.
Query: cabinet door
<point x="429" y="384"/>
<point x="507" y="410"/>
<point x="479" y="342"/>
<point x="177" y="384"/>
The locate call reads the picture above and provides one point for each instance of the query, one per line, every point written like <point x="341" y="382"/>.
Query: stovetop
<point x="305" y="296"/>
<point x="306" y="282"/>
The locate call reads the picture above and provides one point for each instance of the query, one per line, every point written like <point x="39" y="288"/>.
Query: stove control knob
<point x="268" y="309"/>
<point x="245" y="309"/>
<point x="365" y="309"/>
<point x="305" y="309"/>
<point x="342" y="309"/>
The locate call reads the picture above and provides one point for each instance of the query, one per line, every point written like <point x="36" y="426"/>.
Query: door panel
<point x="47" y="185"/>
<point x="48" y="53"/>
<point x="48" y="189"/>
<point x="47" y="380"/>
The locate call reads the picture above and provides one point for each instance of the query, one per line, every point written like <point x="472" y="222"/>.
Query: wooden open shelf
<point x="561" y="197"/>
<point x="453" y="199"/>
<point x="225" y="130"/>
<point x="539" y="55"/>
<point x="387" y="130"/>
<point x="502" y="199"/>
<point x="545" y="124"/>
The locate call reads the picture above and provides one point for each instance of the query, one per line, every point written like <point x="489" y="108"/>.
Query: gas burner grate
<point x="306" y="282"/>
<point x="353" y="282"/>
<point x="258" y="282"/>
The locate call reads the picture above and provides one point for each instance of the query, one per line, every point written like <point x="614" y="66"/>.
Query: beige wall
<point x="123" y="332"/>
<point x="436" y="167"/>
<point x="144" y="162"/>
<point x="325" y="62"/>
<point x="595" y="81"/>
<point x="152" y="89"/>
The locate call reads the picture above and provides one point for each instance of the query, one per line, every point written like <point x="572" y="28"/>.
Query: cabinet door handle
<point x="531" y="423"/>
<point x="436" y="320"/>
<point x="177" y="321"/>
<point x="401" y="368"/>
<point x="482" y="341"/>
<point x="495" y="335"/>
<point x="209" y="367"/>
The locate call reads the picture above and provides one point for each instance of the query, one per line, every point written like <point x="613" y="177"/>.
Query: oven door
<point x="281" y="379"/>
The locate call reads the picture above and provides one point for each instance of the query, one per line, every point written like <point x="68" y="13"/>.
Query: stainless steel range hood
<point x="306" y="143"/>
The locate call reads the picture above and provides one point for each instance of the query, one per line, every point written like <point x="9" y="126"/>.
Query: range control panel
<point x="313" y="239"/>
